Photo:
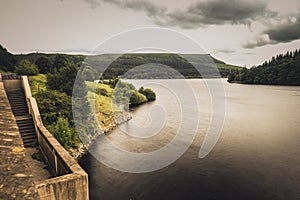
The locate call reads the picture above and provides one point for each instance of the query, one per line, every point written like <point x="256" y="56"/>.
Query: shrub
<point x="137" y="98"/>
<point x="25" y="67"/>
<point x="150" y="94"/>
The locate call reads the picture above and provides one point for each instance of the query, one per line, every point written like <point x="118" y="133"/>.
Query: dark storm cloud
<point x="198" y="14"/>
<point x="218" y="12"/>
<point x="283" y="33"/>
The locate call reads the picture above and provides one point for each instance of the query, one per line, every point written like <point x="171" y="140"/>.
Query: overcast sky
<point x="242" y="32"/>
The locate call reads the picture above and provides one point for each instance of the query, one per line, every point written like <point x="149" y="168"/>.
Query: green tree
<point x="137" y="98"/>
<point x="60" y="61"/>
<point x="150" y="94"/>
<point x="66" y="135"/>
<point x="54" y="104"/>
<point x="25" y="67"/>
<point x="88" y="73"/>
<point x="231" y="77"/>
<point x="63" y="80"/>
<point x="7" y="60"/>
<point x="44" y="65"/>
<point x="282" y="69"/>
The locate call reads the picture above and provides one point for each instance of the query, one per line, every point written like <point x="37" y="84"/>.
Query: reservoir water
<point x="256" y="157"/>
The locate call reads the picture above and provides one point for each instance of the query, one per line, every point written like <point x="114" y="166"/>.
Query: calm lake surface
<point x="256" y="157"/>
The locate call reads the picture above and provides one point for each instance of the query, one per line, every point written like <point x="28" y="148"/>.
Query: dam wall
<point x="70" y="181"/>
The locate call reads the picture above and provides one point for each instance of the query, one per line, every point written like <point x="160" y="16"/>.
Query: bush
<point x="66" y="135"/>
<point x="150" y="94"/>
<point x="53" y="104"/>
<point x="44" y="65"/>
<point x="63" y="80"/>
<point x="137" y="98"/>
<point x="25" y="67"/>
<point x="102" y="91"/>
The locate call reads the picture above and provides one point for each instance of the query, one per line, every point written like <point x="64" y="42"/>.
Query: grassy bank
<point x="56" y="107"/>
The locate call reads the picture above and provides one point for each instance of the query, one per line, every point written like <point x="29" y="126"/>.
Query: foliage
<point x="64" y="133"/>
<point x="87" y="72"/>
<point x="85" y="120"/>
<point x="7" y="60"/>
<point x="280" y="70"/>
<point x="126" y="62"/>
<point x="52" y="63"/>
<point x="59" y="62"/>
<point x="148" y="93"/>
<point x="25" y="67"/>
<point x="44" y="65"/>
<point x="122" y="92"/>
<point x="63" y="79"/>
<point x="126" y="93"/>
<point x="137" y="98"/>
<point x="37" y="83"/>
<point x="54" y="104"/>
<point x="101" y="89"/>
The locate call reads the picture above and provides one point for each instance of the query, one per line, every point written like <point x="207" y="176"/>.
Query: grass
<point x="103" y="105"/>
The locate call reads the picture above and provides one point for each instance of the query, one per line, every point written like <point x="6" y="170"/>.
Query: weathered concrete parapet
<point x="71" y="181"/>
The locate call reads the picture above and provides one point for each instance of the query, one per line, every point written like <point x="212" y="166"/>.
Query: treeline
<point x="283" y="69"/>
<point x="159" y="66"/>
<point x="187" y="65"/>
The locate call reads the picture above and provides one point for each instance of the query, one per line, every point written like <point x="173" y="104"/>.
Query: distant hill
<point x="283" y="69"/>
<point x="160" y="65"/>
<point x="155" y="65"/>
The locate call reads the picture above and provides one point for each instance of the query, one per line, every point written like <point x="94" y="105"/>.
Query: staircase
<point x="24" y="121"/>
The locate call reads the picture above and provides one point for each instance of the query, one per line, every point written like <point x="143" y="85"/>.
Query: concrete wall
<point x="12" y="84"/>
<point x="71" y="181"/>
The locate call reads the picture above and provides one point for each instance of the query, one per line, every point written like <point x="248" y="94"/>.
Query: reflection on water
<point x="256" y="157"/>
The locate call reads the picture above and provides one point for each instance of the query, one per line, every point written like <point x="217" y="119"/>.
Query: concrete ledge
<point x="71" y="181"/>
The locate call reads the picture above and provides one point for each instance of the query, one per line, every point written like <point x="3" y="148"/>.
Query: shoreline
<point x="119" y="119"/>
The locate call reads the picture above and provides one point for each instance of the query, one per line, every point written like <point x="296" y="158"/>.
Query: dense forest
<point x="283" y="69"/>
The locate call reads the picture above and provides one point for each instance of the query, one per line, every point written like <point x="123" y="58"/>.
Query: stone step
<point x="19" y="108"/>
<point x="29" y="138"/>
<point x="20" y="112"/>
<point x="28" y="134"/>
<point x="27" y="131"/>
<point x="24" y="122"/>
<point x="26" y="126"/>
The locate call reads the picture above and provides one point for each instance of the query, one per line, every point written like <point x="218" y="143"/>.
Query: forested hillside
<point x="283" y="69"/>
<point x="154" y="65"/>
<point x="7" y="60"/>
